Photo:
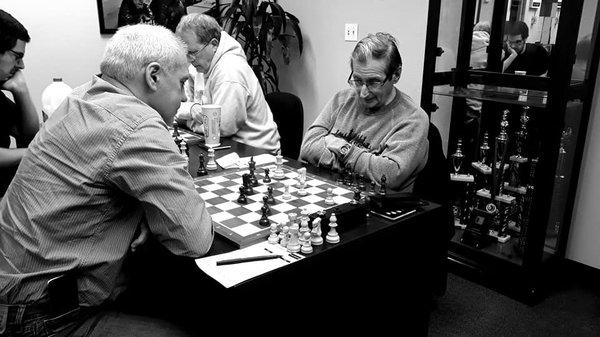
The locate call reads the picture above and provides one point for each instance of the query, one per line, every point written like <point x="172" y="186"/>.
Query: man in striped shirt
<point x="102" y="169"/>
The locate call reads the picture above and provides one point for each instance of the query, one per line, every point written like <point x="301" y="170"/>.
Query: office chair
<point x="289" y="116"/>
<point x="433" y="184"/>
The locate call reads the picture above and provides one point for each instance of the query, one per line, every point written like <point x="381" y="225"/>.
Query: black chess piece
<point x="242" y="198"/>
<point x="266" y="179"/>
<point x="201" y="168"/>
<point x="266" y="204"/>
<point x="373" y="187"/>
<point x="264" y="220"/>
<point x="356" y="195"/>
<point x="247" y="182"/>
<point x="361" y="183"/>
<point x="383" y="187"/>
<point x="270" y="198"/>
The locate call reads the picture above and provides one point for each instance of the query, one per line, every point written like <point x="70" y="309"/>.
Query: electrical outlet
<point x="351" y="32"/>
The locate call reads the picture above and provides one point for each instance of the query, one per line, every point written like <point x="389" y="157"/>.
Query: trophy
<point x="500" y="152"/>
<point x="484" y="150"/>
<point x="514" y="179"/>
<point x="526" y="209"/>
<point x="457" y="162"/>
<point x="461" y="186"/>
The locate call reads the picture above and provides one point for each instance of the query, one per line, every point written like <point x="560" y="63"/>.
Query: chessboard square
<point x="247" y="229"/>
<point x="261" y="188"/>
<point x="227" y="205"/>
<point x="238" y="211"/>
<point x="212" y="187"/>
<point x="212" y="210"/>
<point x="311" y="198"/>
<point x="222" y="191"/>
<point x="314" y="190"/>
<point x="341" y="200"/>
<point x="273" y="212"/>
<point x="253" y="206"/>
<point x="201" y="182"/>
<point x="234" y="176"/>
<point x="208" y="195"/>
<point x="217" y="179"/>
<point x="277" y="185"/>
<point x="228" y="183"/>
<point x="279" y="218"/>
<point x="283" y="207"/>
<point x="340" y="191"/>
<point x="232" y="196"/>
<point x="250" y="217"/>
<point x="215" y="201"/>
<point x="322" y="194"/>
<point x="314" y="182"/>
<point x="233" y="222"/>
<point x="221" y="216"/>
<point x="256" y="197"/>
<point x="312" y="208"/>
<point x="298" y="203"/>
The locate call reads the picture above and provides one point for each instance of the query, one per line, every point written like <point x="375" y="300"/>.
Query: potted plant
<point x="258" y="25"/>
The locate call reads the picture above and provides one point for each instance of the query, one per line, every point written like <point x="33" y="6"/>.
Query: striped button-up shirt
<point x="100" y="165"/>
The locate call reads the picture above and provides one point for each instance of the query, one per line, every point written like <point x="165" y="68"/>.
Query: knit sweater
<point x="391" y="141"/>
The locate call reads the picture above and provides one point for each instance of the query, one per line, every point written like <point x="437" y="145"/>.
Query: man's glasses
<point x="371" y="84"/>
<point x="18" y="56"/>
<point x="194" y="54"/>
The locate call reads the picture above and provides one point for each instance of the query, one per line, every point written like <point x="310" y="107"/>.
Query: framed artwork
<point x="115" y="13"/>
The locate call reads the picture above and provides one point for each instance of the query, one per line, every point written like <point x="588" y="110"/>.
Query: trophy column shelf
<point x="516" y="96"/>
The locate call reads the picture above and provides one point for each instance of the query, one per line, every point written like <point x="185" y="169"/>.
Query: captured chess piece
<point x="212" y="164"/>
<point x="242" y="198"/>
<point x="332" y="236"/>
<point x="266" y="179"/>
<point x="278" y="173"/>
<point x="201" y="168"/>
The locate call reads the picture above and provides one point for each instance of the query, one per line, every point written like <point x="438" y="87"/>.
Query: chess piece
<point x="252" y="164"/>
<point x="274" y="237"/>
<point x="316" y="238"/>
<point x="293" y="244"/>
<point x="264" y="220"/>
<point x="201" y="168"/>
<point x="242" y="198"/>
<point x="361" y="183"/>
<point x="266" y="204"/>
<point x="247" y="183"/>
<point x="304" y="227"/>
<point x="373" y="184"/>
<point x="266" y="179"/>
<point x="278" y="173"/>
<point x="286" y="193"/>
<point x="383" y="186"/>
<point x="329" y="197"/>
<point x="176" y="136"/>
<point x="332" y="236"/>
<point x="212" y="164"/>
<point x="301" y="178"/>
<point x="356" y="198"/>
<point x="284" y="236"/>
<point x="302" y="191"/>
<point x="270" y="198"/>
<point x="306" y="244"/>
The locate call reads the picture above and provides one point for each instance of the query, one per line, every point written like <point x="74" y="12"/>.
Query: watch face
<point x="344" y="150"/>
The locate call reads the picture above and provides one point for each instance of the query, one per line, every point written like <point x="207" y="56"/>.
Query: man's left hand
<point x="334" y="144"/>
<point x="16" y="84"/>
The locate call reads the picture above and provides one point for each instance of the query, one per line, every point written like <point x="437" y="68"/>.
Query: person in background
<point x="528" y="57"/>
<point x="229" y="82"/>
<point x="371" y="128"/>
<point x="101" y="176"/>
<point x="132" y="12"/>
<point x="19" y="117"/>
<point x="168" y="13"/>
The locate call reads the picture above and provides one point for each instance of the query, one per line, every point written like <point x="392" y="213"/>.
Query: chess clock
<point x="476" y="233"/>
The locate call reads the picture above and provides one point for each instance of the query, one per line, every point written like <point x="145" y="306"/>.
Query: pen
<point x="222" y="147"/>
<point x="247" y="259"/>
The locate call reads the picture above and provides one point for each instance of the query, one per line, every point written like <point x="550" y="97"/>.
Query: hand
<point x="15" y="84"/>
<point x="141" y="238"/>
<point x="334" y="144"/>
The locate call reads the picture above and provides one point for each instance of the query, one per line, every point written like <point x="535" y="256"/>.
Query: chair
<point x="289" y="116"/>
<point x="433" y="184"/>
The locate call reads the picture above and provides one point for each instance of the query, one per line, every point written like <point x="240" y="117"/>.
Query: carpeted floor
<point x="468" y="309"/>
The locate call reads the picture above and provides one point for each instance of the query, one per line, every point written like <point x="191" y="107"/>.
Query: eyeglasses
<point x="18" y="56"/>
<point x="194" y="54"/>
<point x="371" y="83"/>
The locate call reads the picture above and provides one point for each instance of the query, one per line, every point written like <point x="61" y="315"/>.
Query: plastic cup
<point x="211" y="118"/>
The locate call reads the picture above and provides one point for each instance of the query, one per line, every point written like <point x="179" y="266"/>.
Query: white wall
<point x="323" y="67"/>
<point x="65" y="41"/>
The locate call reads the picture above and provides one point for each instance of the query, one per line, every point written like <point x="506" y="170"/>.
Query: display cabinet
<point x="514" y="140"/>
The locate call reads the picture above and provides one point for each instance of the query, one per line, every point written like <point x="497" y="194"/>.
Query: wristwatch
<point x="345" y="149"/>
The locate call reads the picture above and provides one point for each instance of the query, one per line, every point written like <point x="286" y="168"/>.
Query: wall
<point x="323" y="67"/>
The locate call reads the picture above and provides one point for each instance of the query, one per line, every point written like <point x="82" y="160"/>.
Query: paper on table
<point x="229" y="160"/>
<point x="233" y="160"/>
<point x="232" y="274"/>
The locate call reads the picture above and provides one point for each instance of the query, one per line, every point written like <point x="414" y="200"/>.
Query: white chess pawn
<point x="273" y="238"/>
<point x="212" y="164"/>
<point x="278" y="173"/>
<point x="301" y="190"/>
<point x="284" y="236"/>
<point x="303" y="228"/>
<point x="293" y="245"/>
<point x="306" y="244"/>
<point x="332" y="236"/>
<point x="316" y="233"/>
<point x="329" y="197"/>
<point x="286" y="193"/>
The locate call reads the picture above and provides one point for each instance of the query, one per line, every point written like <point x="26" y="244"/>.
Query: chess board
<point x="239" y="222"/>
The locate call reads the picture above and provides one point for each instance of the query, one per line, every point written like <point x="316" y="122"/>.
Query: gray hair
<point x="132" y="48"/>
<point x="205" y="27"/>
<point x="378" y="46"/>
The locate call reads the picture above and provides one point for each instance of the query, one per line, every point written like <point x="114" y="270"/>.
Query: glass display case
<point x="518" y="103"/>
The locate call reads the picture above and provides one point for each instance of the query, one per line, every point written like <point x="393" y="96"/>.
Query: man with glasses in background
<point x="372" y="129"/>
<point x="19" y="117"/>
<point x="229" y="82"/>
<point x="522" y="56"/>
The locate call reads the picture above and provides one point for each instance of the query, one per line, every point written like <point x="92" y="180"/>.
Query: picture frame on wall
<point x="115" y="13"/>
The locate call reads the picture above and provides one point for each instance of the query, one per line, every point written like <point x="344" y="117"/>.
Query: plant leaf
<point x="278" y="12"/>
<point x="296" y="27"/>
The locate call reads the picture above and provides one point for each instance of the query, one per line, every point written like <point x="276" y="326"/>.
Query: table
<point x="379" y="276"/>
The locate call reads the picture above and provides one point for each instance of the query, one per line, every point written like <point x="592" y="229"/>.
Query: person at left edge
<point x="19" y="119"/>
<point x="101" y="169"/>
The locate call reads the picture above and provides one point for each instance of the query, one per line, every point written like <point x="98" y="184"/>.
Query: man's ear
<point x="396" y="75"/>
<point x="152" y="75"/>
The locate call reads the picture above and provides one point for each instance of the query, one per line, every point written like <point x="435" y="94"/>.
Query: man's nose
<point x="20" y="64"/>
<point x="364" y="92"/>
